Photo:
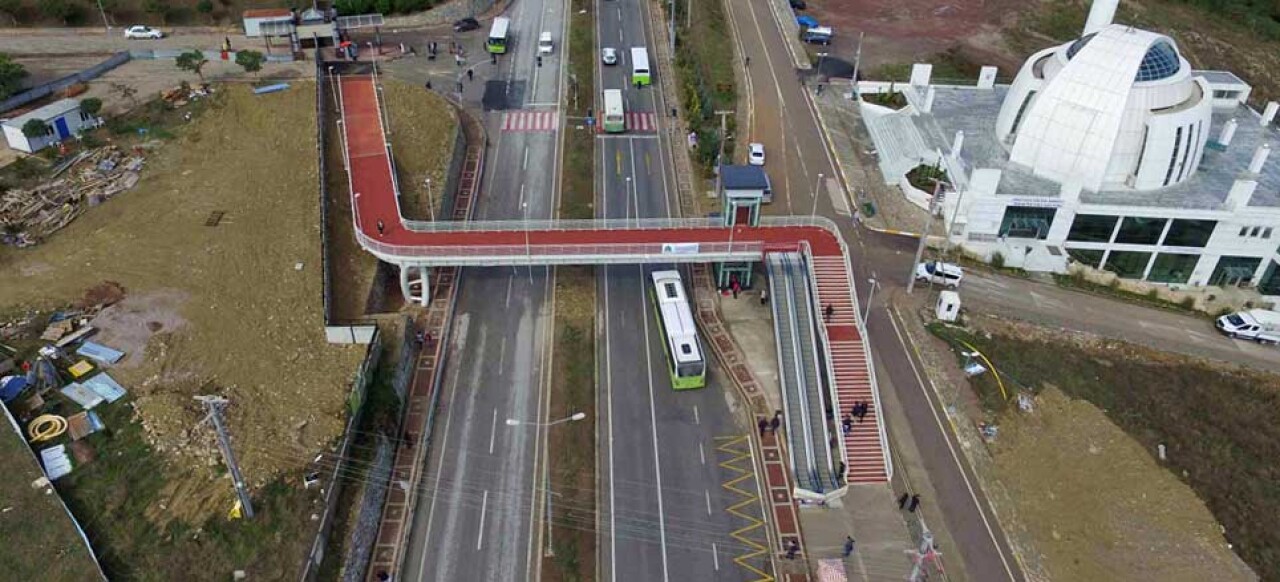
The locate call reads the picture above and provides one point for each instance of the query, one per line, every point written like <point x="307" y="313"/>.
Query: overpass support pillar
<point x="415" y="284"/>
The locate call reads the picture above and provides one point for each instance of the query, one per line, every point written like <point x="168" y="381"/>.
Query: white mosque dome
<point x="1117" y="108"/>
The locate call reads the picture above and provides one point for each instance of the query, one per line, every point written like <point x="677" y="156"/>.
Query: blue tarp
<point x="271" y="88"/>
<point x="100" y="353"/>
<point x="11" y="387"/>
<point x="104" y="386"/>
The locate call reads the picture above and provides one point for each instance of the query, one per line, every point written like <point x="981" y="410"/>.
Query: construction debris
<point x="27" y="217"/>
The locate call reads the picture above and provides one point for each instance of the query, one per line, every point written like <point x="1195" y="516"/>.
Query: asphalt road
<point x="782" y="118"/>
<point x="480" y="514"/>
<point x="663" y="510"/>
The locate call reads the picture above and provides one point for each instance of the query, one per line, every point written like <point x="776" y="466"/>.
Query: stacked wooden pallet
<point x="28" y="216"/>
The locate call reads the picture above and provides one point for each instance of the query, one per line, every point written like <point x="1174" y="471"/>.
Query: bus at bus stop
<point x="614" y="118"/>
<point x="498" y="35"/>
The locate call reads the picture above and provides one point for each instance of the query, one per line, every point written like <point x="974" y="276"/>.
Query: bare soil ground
<point x="1076" y="482"/>
<point x="237" y="305"/>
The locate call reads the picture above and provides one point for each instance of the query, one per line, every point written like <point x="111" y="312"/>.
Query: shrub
<point x="91" y="106"/>
<point x="997" y="260"/>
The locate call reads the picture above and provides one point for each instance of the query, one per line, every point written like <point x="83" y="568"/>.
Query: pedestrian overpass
<point x="418" y="246"/>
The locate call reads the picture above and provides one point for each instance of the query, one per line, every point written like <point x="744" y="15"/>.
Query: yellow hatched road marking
<point x="732" y="446"/>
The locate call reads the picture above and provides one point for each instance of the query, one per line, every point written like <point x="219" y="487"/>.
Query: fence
<point x="42" y="91"/>
<point x="339" y="473"/>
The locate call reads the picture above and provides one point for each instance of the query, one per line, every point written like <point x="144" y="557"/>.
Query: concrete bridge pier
<point x="415" y="284"/>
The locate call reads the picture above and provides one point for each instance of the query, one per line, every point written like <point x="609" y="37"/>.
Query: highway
<point x="663" y="510"/>
<point x="782" y="118"/>
<point x="479" y="515"/>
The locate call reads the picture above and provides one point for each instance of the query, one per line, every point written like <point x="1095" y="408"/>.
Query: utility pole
<point x="214" y="406"/>
<point x="927" y="552"/>
<point x="857" y="60"/>
<point x="720" y="155"/>
<point x="924" y="235"/>
<point x="105" y="24"/>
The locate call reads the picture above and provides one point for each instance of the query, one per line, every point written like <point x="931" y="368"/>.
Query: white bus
<point x="497" y="43"/>
<point x="614" y="119"/>
<point x="685" y="360"/>
<point x="640" y="67"/>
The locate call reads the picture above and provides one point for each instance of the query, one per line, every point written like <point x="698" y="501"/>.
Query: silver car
<point x="609" y="56"/>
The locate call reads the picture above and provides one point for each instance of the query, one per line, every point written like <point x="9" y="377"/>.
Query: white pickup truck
<point x="1260" y="325"/>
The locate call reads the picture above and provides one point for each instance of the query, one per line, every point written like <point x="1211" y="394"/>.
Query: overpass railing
<point x="427" y="226"/>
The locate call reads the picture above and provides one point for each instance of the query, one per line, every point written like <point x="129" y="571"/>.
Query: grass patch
<point x="424" y="128"/>
<point x="926" y="177"/>
<point x="950" y="67"/>
<point x="573" y="470"/>
<point x="35" y="529"/>
<point x="578" y="173"/>
<point x="704" y="67"/>
<point x="1221" y="426"/>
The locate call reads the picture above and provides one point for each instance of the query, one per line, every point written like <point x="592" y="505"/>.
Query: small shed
<point x="63" y="120"/>
<point x="745" y="182"/>
<point x="254" y="19"/>
<point x="948" y="308"/>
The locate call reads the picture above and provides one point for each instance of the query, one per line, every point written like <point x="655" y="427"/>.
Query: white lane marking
<point x="444" y="446"/>
<point x="695" y="415"/>
<point x="702" y="454"/>
<point x="715" y="556"/>
<point x="653" y="416"/>
<point x="493" y="430"/>
<point x="510" y="281"/>
<point x="707" y="493"/>
<point x="933" y="408"/>
<point x="502" y="355"/>
<point x="484" y="506"/>
<point x="525" y="165"/>
<point x="522" y="200"/>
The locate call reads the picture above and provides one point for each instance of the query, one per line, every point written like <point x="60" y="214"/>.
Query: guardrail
<point x="425" y="226"/>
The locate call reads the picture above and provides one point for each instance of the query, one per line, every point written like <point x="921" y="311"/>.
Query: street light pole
<point x="548" y="552"/>
<point x="573" y="418"/>
<point x="924" y="235"/>
<point x="103" y="12"/>
<point x="816" y="188"/>
<point x="528" y="251"/>
<point x="866" y="313"/>
<point x="431" y="205"/>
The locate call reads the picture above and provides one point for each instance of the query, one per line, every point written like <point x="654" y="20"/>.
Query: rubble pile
<point x="29" y="216"/>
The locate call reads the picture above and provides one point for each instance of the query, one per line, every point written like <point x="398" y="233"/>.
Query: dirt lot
<point x="964" y="34"/>
<point x="232" y="309"/>
<point x="1077" y="483"/>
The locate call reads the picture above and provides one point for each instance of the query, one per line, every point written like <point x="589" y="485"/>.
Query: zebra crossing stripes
<point x="642" y="122"/>
<point x="540" y="120"/>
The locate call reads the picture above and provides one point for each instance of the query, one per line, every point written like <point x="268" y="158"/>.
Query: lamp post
<point x="866" y="313"/>
<point x="528" y="250"/>
<point x="626" y="201"/>
<point x="816" y="187"/>
<point x="924" y="234"/>
<point x="547" y="512"/>
<point x="431" y="205"/>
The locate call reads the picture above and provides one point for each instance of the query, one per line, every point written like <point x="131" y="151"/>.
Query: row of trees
<point x="82" y="11"/>
<point x="194" y="61"/>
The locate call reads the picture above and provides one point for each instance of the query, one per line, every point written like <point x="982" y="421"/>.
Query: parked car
<point x="806" y="22"/>
<point x="818" y="35"/>
<point x="798" y="5"/>
<point x="545" y="46"/>
<point x="139" y="31"/>
<point x="609" y="56"/>
<point x="1259" y="325"/>
<point x="466" y="25"/>
<point x="755" y="154"/>
<point x="939" y="273"/>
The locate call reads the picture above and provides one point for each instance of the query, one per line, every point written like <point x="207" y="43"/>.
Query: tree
<point x="159" y="8"/>
<point x="251" y="61"/>
<point x="62" y="10"/>
<point x="125" y="92"/>
<point x="91" y="105"/>
<point x="35" y="128"/>
<point x="11" y="76"/>
<point x="11" y="8"/>
<point x="205" y="7"/>
<point x="194" y="61"/>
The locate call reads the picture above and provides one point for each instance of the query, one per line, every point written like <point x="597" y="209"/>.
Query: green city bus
<point x="497" y="43"/>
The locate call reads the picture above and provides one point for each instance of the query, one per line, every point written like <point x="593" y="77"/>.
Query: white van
<point x="939" y="273"/>
<point x="544" y="43"/>
<point x="1259" y="325"/>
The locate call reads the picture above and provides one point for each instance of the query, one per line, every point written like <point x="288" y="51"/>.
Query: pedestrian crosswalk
<point x="531" y="120"/>
<point x="642" y="122"/>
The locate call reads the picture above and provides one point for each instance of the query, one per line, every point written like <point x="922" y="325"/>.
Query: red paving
<point x="375" y="206"/>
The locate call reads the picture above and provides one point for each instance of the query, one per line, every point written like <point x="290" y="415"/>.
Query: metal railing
<point x="426" y="226"/>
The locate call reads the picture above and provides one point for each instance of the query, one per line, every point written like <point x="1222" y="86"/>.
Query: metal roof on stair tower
<point x="743" y="177"/>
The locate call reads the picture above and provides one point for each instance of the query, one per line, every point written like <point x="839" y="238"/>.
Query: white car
<point x="609" y="56"/>
<point x="755" y="154"/>
<point x="945" y="274"/>
<point x="142" y="32"/>
<point x="545" y="45"/>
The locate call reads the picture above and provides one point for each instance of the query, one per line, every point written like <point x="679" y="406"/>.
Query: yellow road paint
<point x="739" y="449"/>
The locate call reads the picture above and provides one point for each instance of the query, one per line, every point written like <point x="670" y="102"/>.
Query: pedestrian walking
<point x="827" y="313"/>
<point x="471" y="74"/>
<point x="382" y="228"/>
<point x="764" y="296"/>
<point x="776" y="422"/>
<point x="763" y="424"/>
<point x="862" y="411"/>
<point x="429" y="340"/>
<point x="383" y="576"/>
<point x="848" y="546"/>
<point x="428" y="84"/>
<point x="418" y="338"/>
<point x="847" y="423"/>
<point x="793" y="549"/>
<point x="840" y="469"/>
<point x="915" y="503"/>
<point x="746" y="61"/>
<point x="902" y="500"/>
<point x="736" y="289"/>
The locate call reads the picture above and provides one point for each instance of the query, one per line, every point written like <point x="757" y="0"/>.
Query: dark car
<point x="466" y="24"/>
<point x="799" y="4"/>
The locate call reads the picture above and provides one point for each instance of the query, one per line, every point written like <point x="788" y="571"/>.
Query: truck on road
<point x="1260" y="325"/>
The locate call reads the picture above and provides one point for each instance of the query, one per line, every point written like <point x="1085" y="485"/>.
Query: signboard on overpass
<point x="679" y="248"/>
